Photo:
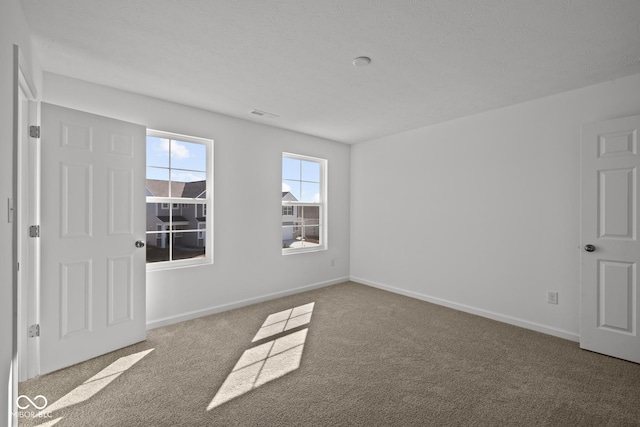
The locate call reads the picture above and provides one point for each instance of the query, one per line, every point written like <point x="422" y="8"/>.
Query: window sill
<point x="303" y="250"/>
<point x="170" y="265"/>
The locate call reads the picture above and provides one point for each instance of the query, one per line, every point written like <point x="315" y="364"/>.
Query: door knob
<point x="589" y="248"/>
<point x="139" y="244"/>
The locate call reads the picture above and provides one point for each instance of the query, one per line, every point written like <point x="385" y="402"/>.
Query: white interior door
<point x="93" y="212"/>
<point x="609" y="321"/>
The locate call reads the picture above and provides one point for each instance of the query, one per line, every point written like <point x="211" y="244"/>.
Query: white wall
<point x="13" y="30"/>
<point x="248" y="260"/>
<point x="482" y="213"/>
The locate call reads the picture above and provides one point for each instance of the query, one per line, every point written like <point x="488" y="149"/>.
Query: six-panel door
<point x="609" y="274"/>
<point x="93" y="202"/>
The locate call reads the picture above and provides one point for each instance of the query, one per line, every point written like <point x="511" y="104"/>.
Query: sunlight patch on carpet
<point x="96" y="383"/>
<point x="261" y="364"/>
<point x="284" y="321"/>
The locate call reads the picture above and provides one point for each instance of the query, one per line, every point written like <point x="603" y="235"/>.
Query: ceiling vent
<point x="264" y="114"/>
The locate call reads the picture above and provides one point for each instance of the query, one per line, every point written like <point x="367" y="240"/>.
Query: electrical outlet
<point x="552" y="297"/>
<point x="333" y="262"/>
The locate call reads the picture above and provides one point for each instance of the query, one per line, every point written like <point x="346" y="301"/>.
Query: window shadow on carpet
<point x="92" y="386"/>
<point x="271" y="360"/>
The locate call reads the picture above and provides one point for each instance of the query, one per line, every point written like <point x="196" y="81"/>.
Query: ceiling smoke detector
<point x="362" y="61"/>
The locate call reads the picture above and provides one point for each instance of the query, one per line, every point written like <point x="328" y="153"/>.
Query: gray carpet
<point x="369" y="358"/>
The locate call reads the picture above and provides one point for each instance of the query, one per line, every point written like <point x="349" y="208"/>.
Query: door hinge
<point x="34" y="231"/>
<point x="10" y="210"/>
<point x="34" y="331"/>
<point x="34" y="131"/>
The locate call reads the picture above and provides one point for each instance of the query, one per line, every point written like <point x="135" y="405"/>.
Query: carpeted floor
<point x="368" y="358"/>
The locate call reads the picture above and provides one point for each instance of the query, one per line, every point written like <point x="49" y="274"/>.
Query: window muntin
<point x="303" y="203"/>
<point x="179" y="180"/>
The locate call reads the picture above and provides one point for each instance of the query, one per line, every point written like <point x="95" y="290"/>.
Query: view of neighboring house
<point x="299" y="223"/>
<point x="185" y="221"/>
<point x="289" y="214"/>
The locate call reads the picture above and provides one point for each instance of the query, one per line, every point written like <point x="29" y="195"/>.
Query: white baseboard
<point x="230" y="306"/>
<point x="549" y="330"/>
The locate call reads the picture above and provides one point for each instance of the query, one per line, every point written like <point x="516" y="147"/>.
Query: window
<point x="179" y="193"/>
<point x="303" y="198"/>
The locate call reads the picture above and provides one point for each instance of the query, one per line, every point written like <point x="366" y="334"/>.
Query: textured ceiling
<point x="433" y="60"/>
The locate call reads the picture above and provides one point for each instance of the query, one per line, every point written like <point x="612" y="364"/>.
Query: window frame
<point x="207" y="202"/>
<point x="322" y="204"/>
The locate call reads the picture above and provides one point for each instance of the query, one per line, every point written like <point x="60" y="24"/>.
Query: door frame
<point x="25" y="361"/>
